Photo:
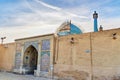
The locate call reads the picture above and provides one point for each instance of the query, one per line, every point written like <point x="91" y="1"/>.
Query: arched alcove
<point x="30" y="59"/>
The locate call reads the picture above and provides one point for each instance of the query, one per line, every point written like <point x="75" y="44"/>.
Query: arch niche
<point x="30" y="59"/>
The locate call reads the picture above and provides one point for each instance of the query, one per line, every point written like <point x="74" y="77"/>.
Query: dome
<point x="75" y="30"/>
<point x="68" y="28"/>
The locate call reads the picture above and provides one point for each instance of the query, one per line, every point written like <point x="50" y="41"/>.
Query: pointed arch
<point x="34" y="44"/>
<point x="30" y="59"/>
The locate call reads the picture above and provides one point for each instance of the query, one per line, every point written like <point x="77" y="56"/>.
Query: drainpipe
<point x="91" y="55"/>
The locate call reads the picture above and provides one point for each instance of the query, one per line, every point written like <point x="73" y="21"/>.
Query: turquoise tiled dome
<point x="73" y="29"/>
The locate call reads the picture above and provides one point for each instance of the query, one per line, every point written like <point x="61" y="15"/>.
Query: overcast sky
<point x="25" y="18"/>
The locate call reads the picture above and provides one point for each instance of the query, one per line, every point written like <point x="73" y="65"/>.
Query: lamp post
<point x="2" y="39"/>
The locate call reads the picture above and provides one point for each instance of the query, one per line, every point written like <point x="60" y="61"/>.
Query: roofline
<point x="35" y="36"/>
<point x="107" y="30"/>
<point x="54" y="34"/>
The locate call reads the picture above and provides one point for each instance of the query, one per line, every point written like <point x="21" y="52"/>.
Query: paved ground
<point x="11" y="76"/>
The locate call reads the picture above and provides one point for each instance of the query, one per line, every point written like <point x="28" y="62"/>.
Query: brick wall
<point x="7" y="53"/>
<point x="104" y="50"/>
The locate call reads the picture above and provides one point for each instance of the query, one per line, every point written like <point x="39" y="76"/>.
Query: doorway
<point x="30" y="60"/>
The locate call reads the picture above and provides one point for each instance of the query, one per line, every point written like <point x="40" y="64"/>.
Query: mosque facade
<point x="69" y="53"/>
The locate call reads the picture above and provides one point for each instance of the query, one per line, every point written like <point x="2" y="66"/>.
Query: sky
<point x="25" y="18"/>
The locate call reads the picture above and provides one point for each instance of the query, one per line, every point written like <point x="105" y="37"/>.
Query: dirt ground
<point x="12" y="76"/>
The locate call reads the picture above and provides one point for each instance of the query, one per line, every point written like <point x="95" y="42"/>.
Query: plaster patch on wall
<point x="87" y="51"/>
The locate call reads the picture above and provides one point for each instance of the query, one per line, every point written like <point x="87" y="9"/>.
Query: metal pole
<point x="91" y="57"/>
<point x="1" y="40"/>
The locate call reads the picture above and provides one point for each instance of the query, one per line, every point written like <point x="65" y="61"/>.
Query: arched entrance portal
<point x="30" y="60"/>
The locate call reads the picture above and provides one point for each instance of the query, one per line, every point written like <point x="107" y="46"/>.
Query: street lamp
<point x="2" y="39"/>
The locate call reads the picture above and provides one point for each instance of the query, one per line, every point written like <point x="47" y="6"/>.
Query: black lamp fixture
<point x="2" y="39"/>
<point x="114" y="35"/>
<point x="72" y="40"/>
